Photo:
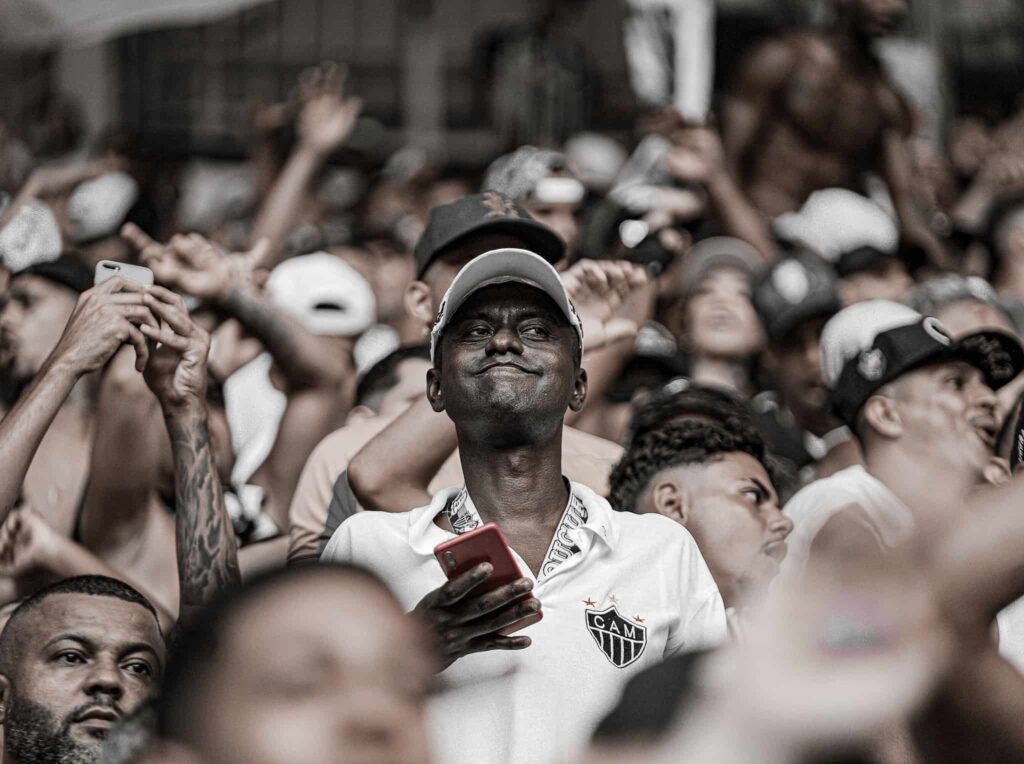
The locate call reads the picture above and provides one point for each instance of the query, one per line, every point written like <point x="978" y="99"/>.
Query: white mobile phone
<point x="107" y="269"/>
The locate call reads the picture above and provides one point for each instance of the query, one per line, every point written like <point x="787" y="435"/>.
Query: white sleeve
<point x="702" y="617"/>
<point x="340" y="548"/>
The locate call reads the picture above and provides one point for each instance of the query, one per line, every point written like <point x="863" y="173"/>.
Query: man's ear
<point x="419" y="305"/>
<point x="996" y="471"/>
<point x="882" y="415"/>
<point x="579" y="390"/>
<point x="5" y="697"/>
<point x="434" y="393"/>
<point x="671" y="500"/>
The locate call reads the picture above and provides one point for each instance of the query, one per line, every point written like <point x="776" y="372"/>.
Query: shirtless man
<point x="811" y="111"/>
<point x="40" y="300"/>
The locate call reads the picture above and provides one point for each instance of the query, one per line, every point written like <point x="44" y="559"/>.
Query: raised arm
<point x="176" y="373"/>
<point x="324" y="123"/>
<point x="193" y="265"/>
<point x="392" y="471"/>
<point x="697" y="156"/>
<point x="105" y="317"/>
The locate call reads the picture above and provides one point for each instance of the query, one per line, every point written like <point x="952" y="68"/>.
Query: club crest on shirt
<point x="621" y="640"/>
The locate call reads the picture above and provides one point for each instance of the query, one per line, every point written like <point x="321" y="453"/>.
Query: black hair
<point x="94" y="586"/>
<point x="689" y="442"/>
<point x="383" y="375"/>
<point x="683" y="399"/>
<point x="197" y="646"/>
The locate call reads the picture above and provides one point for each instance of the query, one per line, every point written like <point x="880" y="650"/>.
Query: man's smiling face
<point x="508" y="365"/>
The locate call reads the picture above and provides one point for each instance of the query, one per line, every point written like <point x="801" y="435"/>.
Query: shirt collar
<point x="425" y="534"/>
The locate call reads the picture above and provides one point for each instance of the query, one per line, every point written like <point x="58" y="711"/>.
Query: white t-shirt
<point x="619" y="592"/>
<point x="815" y="504"/>
<point x="891" y="519"/>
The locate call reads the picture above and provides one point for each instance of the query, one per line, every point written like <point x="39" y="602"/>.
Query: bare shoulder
<point x="896" y="109"/>
<point x="769" y="63"/>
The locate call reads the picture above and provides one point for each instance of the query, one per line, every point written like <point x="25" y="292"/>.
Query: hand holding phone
<point x="484" y="596"/>
<point x="137" y="274"/>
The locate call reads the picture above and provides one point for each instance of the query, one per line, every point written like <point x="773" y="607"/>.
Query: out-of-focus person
<point x="966" y="305"/>
<point x="794" y="297"/>
<point x="543" y="182"/>
<point x="323" y="498"/>
<point x="75" y="658"/>
<point x="39" y="301"/>
<point x="924" y="409"/>
<point x="312" y="664"/>
<point x="616" y="591"/>
<point x="810" y="111"/>
<point x="868" y="273"/>
<point x="715" y="322"/>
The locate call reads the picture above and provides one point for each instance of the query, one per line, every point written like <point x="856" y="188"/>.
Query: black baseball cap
<point x="791" y="291"/>
<point x="67" y="270"/>
<point x="872" y="343"/>
<point x="490" y="212"/>
<point x="864" y="260"/>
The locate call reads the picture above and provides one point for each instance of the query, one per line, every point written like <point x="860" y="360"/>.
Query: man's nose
<point x="779" y="523"/>
<point x="105" y="679"/>
<point x="985" y="399"/>
<point x="504" y="340"/>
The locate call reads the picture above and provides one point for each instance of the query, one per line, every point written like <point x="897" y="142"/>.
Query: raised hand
<point x="696" y="156"/>
<point x="106" y="316"/>
<point x="326" y="118"/>
<point x="28" y="544"/>
<point x="178" y="349"/>
<point x="193" y="264"/>
<point x="605" y="294"/>
<point x="465" y="623"/>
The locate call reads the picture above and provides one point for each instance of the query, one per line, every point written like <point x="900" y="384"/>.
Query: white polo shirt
<point x="619" y="592"/>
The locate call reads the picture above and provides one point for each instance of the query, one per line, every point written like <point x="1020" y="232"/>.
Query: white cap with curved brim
<point x="502" y="266"/>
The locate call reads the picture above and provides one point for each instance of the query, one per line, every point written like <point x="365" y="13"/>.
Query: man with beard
<point x="74" y="658"/>
<point x="811" y="111"/>
<point x="617" y="591"/>
<point x="40" y="299"/>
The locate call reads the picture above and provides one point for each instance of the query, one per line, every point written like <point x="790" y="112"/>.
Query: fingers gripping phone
<point x="485" y="544"/>
<point x="108" y="269"/>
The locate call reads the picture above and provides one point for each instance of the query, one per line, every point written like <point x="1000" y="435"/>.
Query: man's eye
<point x="478" y="331"/>
<point x="956" y="381"/>
<point x="71" y="658"/>
<point x="536" y="331"/>
<point x="139" y="668"/>
<point x="753" y="494"/>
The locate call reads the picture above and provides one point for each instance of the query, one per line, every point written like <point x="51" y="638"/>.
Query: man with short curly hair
<point x="711" y="479"/>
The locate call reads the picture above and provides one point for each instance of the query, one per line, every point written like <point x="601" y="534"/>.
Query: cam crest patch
<point x="621" y="641"/>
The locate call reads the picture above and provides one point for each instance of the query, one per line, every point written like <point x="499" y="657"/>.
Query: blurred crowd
<point x="743" y="396"/>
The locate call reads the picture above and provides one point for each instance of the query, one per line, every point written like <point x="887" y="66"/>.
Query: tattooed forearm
<point x="207" y="555"/>
<point x="302" y="357"/>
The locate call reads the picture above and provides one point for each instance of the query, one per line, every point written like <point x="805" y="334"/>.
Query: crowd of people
<point x="744" y="399"/>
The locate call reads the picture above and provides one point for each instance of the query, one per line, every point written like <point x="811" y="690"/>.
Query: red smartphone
<point x="485" y="544"/>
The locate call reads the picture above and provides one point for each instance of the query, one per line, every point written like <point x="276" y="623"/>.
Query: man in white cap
<point x="923" y="407"/>
<point x="618" y="592"/>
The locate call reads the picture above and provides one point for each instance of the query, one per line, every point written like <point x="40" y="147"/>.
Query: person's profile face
<point x="31" y="323"/>
<point x="720" y="318"/>
<point x="735" y="519"/>
<point x="86" y="661"/>
<point x="508" y="355"/>
<point x="298" y="682"/>
<point x="796" y="361"/>
<point x="947" y="410"/>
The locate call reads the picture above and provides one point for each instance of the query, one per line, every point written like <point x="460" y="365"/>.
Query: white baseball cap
<point x="325" y="293"/>
<point x="502" y="266"/>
